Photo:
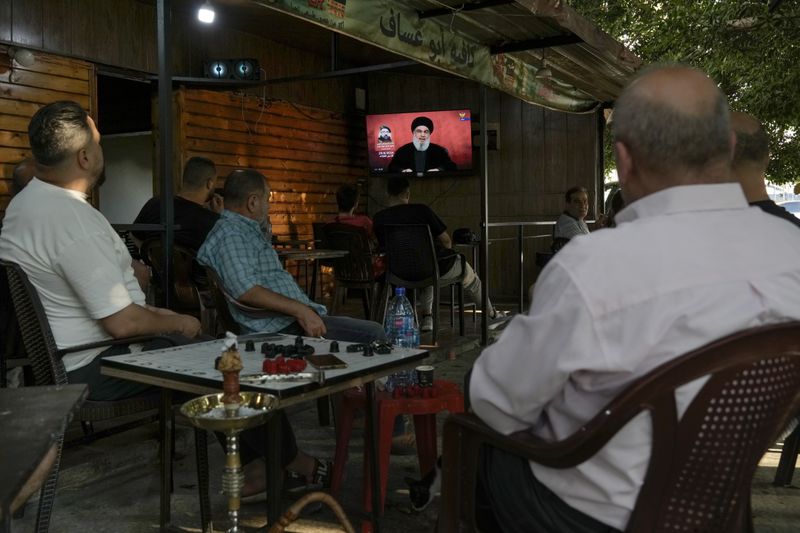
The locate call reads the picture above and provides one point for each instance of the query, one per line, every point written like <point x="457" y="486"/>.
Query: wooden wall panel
<point x="23" y="90"/>
<point x="306" y="153"/>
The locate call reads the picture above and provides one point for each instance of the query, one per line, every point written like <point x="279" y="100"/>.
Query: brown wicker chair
<point x="225" y="320"/>
<point x="48" y="369"/>
<point x="187" y="274"/>
<point x="701" y="466"/>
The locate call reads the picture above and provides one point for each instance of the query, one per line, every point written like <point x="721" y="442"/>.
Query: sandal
<point x="405" y="444"/>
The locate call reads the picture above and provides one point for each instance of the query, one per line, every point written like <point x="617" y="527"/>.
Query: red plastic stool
<point x="422" y="403"/>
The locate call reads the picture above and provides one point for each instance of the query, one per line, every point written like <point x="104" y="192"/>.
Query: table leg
<point x="372" y="442"/>
<point x="312" y="290"/>
<point x="274" y="472"/>
<point x="165" y="430"/>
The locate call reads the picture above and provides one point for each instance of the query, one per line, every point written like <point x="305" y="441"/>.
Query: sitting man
<point x="190" y="213"/>
<point x="571" y="222"/>
<point x="243" y="257"/>
<point x="688" y="263"/>
<point x="400" y="211"/>
<point x="750" y="160"/>
<point x="347" y="201"/>
<point x="421" y="155"/>
<point x="79" y="266"/>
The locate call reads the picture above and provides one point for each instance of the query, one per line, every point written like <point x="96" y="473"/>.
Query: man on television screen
<point x="421" y="155"/>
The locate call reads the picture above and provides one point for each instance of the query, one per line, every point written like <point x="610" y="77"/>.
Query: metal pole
<point x="520" y="243"/>
<point x="165" y="141"/>
<point x="484" y="218"/>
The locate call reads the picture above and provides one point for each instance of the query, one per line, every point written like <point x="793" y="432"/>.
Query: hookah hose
<point x="293" y="512"/>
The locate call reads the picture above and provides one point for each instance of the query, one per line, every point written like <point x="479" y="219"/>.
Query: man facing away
<point x="750" y="160"/>
<point x="400" y="211"/>
<point x="243" y="257"/>
<point x="688" y="263"/>
<point x="190" y="213"/>
<point x="421" y="155"/>
<point x="79" y="266"/>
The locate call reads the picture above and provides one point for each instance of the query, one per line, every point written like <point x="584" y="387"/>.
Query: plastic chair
<point x="701" y="465"/>
<point x="187" y="280"/>
<point x="48" y="369"/>
<point x="448" y="398"/>
<point x="411" y="263"/>
<point x="353" y="271"/>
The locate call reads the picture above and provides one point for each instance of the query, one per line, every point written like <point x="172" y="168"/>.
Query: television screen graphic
<point x="420" y="143"/>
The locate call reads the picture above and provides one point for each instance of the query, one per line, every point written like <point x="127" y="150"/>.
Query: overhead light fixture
<point x="543" y="73"/>
<point x="22" y="56"/>
<point x="206" y="13"/>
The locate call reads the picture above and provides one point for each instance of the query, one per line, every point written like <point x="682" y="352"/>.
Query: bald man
<point x="689" y="262"/>
<point x="750" y="160"/>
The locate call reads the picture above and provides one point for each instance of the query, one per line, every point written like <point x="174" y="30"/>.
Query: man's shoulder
<point x="150" y="212"/>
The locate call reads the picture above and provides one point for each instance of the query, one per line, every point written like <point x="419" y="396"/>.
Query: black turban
<point x="422" y="121"/>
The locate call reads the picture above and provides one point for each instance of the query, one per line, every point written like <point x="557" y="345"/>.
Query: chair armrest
<point x="112" y="342"/>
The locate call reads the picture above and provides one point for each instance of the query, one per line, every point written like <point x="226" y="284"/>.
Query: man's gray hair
<point x="240" y="184"/>
<point x="665" y="139"/>
<point x="57" y="131"/>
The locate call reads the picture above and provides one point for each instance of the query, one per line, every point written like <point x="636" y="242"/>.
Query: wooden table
<point x="33" y="421"/>
<point x="310" y="255"/>
<point x="190" y="368"/>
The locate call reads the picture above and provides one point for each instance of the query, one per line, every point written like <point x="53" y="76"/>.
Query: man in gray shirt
<point x="571" y="222"/>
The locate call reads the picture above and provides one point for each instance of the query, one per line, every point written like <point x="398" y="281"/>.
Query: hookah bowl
<point x="210" y="413"/>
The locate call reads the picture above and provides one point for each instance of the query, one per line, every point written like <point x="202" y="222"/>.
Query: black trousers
<point x="512" y="500"/>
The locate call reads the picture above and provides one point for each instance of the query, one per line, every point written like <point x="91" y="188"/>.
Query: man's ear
<point x="210" y="182"/>
<point x="625" y="165"/>
<point x="82" y="157"/>
<point x="252" y="203"/>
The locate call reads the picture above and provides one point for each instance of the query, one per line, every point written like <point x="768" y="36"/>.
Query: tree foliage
<point x="750" y="48"/>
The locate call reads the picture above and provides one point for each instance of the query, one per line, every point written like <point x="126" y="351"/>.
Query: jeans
<point x="469" y="281"/>
<point x="344" y="328"/>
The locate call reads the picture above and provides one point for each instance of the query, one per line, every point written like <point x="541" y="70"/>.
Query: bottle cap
<point x="400" y="291"/>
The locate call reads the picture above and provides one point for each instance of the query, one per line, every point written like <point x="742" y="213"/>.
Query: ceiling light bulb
<point x="544" y="73"/>
<point x="206" y="13"/>
<point x="21" y="56"/>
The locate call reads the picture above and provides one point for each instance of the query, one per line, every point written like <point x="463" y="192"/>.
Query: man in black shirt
<point x="421" y="155"/>
<point x="194" y="219"/>
<point x="400" y="211"/>
<point x="750" y="160"/>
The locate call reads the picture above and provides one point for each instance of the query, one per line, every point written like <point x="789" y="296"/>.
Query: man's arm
<point x="531" y="363"/>
<point x="309" y="320"/>
<point x="136" y="320"/>
<point x="444" y="240"/>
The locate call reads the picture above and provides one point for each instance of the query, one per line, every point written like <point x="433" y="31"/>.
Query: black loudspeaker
<point x="218" y="68"/>
<point x="239" y="69"/>
<point x="246" y="69"/>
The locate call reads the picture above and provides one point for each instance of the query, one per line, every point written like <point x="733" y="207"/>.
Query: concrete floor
<point x="112" y="485"/>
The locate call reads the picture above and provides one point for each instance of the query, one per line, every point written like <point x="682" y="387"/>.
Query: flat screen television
<point x="441" y="145"/>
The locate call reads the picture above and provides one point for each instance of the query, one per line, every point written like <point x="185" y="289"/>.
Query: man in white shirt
<point x="689" y="262"/>
<point x="71" y="254"/>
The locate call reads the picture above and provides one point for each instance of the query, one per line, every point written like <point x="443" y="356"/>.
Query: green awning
<point x="501" y="44"/>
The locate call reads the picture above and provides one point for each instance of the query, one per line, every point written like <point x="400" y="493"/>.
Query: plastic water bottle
<point x="401" y="327"/>
<point x="402" y="331"/>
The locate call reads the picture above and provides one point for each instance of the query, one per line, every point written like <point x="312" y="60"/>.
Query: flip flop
<point x="405" y="444"/>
